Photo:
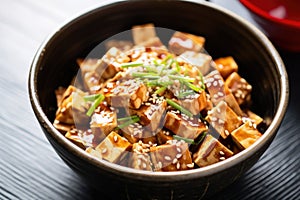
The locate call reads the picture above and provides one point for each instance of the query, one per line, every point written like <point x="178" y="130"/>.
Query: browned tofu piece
<point x="211" y="151"/>
<point x="163" y="136"/>
<point x="123" y="45"/>
<point x="72" y="107"/>
<point x="82" y="139"/>
<point x="181" y="42"/>
<point x="103" y="121"/>
<point x="112" y="147"/>
<point x="173" y="156"/>
<point x="219" y="92"/>
<point x="194" y="103"/>
<point x="239" y="87"/>
<point x="140" y="157"/>
<point x="226" y="66"/>
<point x="184" y="127"/>
<point x="94" y="153"/>
<point x="245" y="135"/>
<point x="200" y="60"/>
<point x="90" y="77"/>
<point x="151" y="42"/>
<point x="62" y="127"/>
<point x="133" y="133"/>
<point x="223" y="119"/>
<point x="151" y="115"/>
<point x="128" y="94"/>
<point x="254" y="117"/>
<point x="109" y="64"/>
<point x="142" y="33"/>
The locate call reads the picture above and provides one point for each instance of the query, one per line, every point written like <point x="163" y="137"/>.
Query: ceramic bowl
<point x="54" y="65"/>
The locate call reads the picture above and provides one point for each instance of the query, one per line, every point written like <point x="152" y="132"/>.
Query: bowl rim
<point x="264" y="14"/>
<point x="147" y="175"/>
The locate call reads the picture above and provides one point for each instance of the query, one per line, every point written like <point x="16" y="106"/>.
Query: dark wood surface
<point x="29" y="167"/>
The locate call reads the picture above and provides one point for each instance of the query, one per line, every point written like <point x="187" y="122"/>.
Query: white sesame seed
<point x="191" y="165"/>
<point x="115" y="138"/>
<point x="167" y="158"/>
<point x="222" y="153"/>
<point x="222" y="158"/>
<point x="174" y="160"/>
<point x="104" y="151"/>
<point x="226" y="132"/>
<point x="178" y="165"/>
<point x="178" y="155"/>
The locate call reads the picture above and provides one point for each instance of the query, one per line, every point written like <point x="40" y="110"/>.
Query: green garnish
<point x="194" y="87"/>
<point x="145" y="75"/>
<point x="182" y="78"/>
<point x="127" y="118"/>
<point x="160" y="90"/>
<point x="131" y="64"/>
<point x="185" y="93"/>
<point x="96" y="103"/>
<point x="130" y="120"/>
<point x="180" y="108"/>
<point x="92" y="97"/>
<point x="188" y="140"/>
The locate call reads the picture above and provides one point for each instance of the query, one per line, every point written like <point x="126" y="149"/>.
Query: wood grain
<point x="29" y="167"/>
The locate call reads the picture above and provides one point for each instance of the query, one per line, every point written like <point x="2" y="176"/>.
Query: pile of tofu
<point x="221" y="124"/>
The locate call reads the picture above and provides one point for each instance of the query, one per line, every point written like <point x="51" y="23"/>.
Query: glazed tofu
<point x="142" y="33"/>
<point x="226" y="66"/>
<point x="181" y="42"/>
<point x="220" y="92"/>
<point x="113" y="147"/>
<point x="82" y="139"/>
<point x="91" y="78"/>
<point x="239" y="87"/>
<point x="122" y="45"/>
<point x="223" y="119"/>
<point x="152" y="42"/>
<point x="72" y="107"/>
<point x="94" y="153"/>
<point x="163" y="136"/>
<point x="133" y="133"/>
<point x="211" y="151"/>
<point x="184" y="127"/>
<point x="195" y="103"/>
<point x="173" y="156"/>
<point x="151" y="115"/>
<point x="200" y="60"/>
<point x="254" y="117"/>
<point x="140" y="157"/>
<point x="103" y="121"/>
<point x="109" y="64"/>
<point x="245" y="135"/>
<point x="128" y="94"/>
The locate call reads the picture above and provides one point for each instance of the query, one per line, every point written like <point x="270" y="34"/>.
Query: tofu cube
<point x="163" y="136"/>
<point x="223" y="119"/>
<point x="239" y="87"/>
<point x="103" y="121"/>
<point x="200" y="60"/>
<point x="211" y="151"/>
<point x="112" y="147"/>
<point x="181" y="42"/>
<point x="94" y="153"/>
<point x="184" y="127"/>
<point x="140" y="157"/>
<point x="195" y="103"/>
<point x="90" y="77"/>
<point x="173" y="156"/>
<point x="245" y="135"/>
<point x="142" y="33"/>
<point x="226" y="66"/>
<point x="128" y="94"/>
<point x="122" y="45"/>
<point x="80" y="138"/>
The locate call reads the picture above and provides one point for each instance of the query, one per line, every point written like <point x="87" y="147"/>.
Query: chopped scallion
<point x="130" y="121"/>
<point x="92" y="97"/>
<point x="127" y="118"/>
<point x="95" y="105"/>
<point x="131" y="64"/>
<point x="160" y="90"/>
<point x="178" y="107"/>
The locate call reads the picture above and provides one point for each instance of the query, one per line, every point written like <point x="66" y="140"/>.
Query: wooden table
<point x="29" y="167"/>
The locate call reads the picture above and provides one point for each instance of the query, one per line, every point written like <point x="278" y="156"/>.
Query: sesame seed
<point x="115" y="138"/>
<point x="178" y="165"/>
<point x="222" y="153"/>
<point x="104" y="151"/>
<point x="167" y="158"/>
<point x="178" y="155"/>
<point x="222" y="158"/>
<point x="191" y="165"/>
<point x="178" y="150"/>
<point x="63" y="109"/>
<point x="159" y="165"/>
<point x="144" y="165"/>
<point x="226" y="132"/>
<point x="174" y="160"/>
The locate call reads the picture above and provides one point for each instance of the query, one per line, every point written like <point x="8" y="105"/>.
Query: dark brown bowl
<point x="227" y="34"/>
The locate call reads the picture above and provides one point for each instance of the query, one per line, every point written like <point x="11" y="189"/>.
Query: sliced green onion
<point x="151" y="69"/>
<point x="202" y="137"/>
<point x="182" y="78"/>
<point x="160" y="90"/>
<point x="185" y="93"/>
<point x="127" y="118"/>
<point x="194" y="87"/>
<point x="131" y="64"/>
<point x="178" y="107"/>
<point x="165" y="60"/>
<point x="187" y="140"/>
<point x="145" y="75"/>
<point x="95" y="105"/>
<point x="92" y="97"/>
<point x="127" y="123"/>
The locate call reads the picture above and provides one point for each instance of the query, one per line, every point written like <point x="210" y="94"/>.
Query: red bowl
<point x="280" y="20"/>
